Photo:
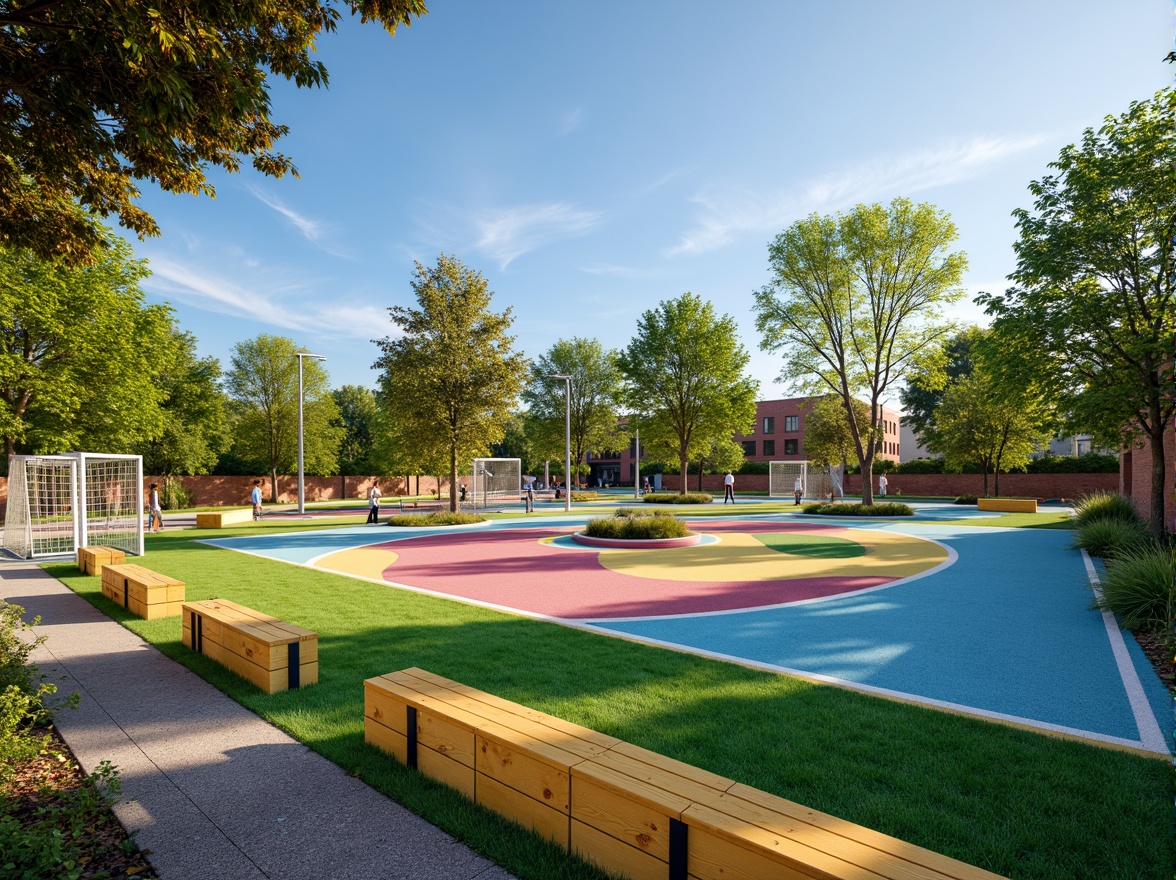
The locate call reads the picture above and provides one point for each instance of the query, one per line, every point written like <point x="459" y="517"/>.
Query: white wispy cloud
<point x="309" y="228"/>
<point x="289" y="306"/>
<point x="571" y="120"/>
<point x="505" y="234"/>
<point x="727" y="213"/>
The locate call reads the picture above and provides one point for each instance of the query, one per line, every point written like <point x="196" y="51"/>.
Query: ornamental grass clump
<point x="965" y="499"/>
<point x="441" y="518"/>
<point x="888" y="508"/>
<point x="1104" y="505"/>
<point x="675" y="498"/>
<point x="1139" y="587"/>
<point x="1108" y="538"/>
<point x="636" y="528"/>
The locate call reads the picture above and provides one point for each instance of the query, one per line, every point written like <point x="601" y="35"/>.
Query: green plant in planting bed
<point x="1104" y="505"/>
<point x="965" y="499"/>
<point x="675" y="498"/>
<point x="888" y="508"/>
<point x="1108" y="538"/>
<point x="1140" y="587"/>
<point x="435" y="519"/>
<point x="636" y="528"/>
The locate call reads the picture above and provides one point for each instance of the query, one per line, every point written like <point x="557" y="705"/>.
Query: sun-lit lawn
<point x="1014" y="802"/>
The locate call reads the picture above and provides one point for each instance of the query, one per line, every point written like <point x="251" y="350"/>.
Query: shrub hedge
<point x="675" y="498"/>
<point x="636" y="528"/>
<point x="889" y="508"/>
<point x="441" y="518"/>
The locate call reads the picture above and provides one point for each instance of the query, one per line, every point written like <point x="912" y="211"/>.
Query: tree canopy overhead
<point x="451" y="378"/>
<point x="855" y="300"/>
<point x="684" y="380"/>
<point x="595" y="398"/>
<point x="98" y="97"/>
<point x="1095" y="282"/>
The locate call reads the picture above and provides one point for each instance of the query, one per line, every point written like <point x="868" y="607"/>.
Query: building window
<point x="791" y="447"/>
<point x="791" y="424"/>
<point x="769" y="447"/>
<point x="769" y="426"/>
<point x="749" y="447"/>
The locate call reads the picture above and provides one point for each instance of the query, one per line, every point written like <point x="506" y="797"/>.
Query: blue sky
<point x="594" y="159"/>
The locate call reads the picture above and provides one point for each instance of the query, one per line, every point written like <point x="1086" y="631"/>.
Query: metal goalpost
<point x="58" y="503"/>
<point x="496" y="481"/>
<point x="816" y="482"/>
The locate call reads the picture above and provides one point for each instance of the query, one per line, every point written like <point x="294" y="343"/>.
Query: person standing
<point x="729" y="488"/>
<point x="882" y="482"/>
<point x="373" y="505"/>
<point x="798" y="490"/>
<point x="529" y="496"/>
<point x="154" y="510"/>
<point x="255" y="497"/>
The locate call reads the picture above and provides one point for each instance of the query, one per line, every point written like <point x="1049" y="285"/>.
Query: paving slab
<point x="211" y="789"/>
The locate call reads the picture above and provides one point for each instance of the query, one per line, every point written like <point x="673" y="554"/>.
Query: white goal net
<point x="58" y="503"/>
<point x="497" y="481"/>
<point x="782" y="476"/>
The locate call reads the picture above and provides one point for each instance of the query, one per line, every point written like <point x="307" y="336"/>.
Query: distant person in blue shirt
<point x="255" y="497"/>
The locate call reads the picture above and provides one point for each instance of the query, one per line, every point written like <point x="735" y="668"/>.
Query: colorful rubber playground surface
<point x="986" y="621"/>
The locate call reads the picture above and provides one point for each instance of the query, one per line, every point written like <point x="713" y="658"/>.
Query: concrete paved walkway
<point x="211" y="789"/>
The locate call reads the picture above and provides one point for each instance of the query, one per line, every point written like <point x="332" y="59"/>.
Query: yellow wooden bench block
<point x="612" y="855"/>
<point x="92" y="559"/>
<point x="254" y="645"/>
<point x="633" y="812"/>
<point x="221" y="518"/>
<point x="143" y="592"/>
<point x="526" y="811"/>
<point x="1008" y="505"/>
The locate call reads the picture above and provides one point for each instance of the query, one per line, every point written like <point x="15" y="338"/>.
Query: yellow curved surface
<point x="367" y="562"/>
<point x="740" y="557"/>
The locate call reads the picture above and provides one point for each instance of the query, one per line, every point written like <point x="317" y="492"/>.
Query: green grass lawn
<point x="1011" y="801"/>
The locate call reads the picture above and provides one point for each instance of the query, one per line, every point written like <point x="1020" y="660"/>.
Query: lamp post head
<point x="307" y="354"/>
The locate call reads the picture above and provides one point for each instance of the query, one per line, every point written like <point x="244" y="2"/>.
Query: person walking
<point x="154" y="510"/>
<point x="255" y="497"/>
<point x="798" y="490"/>
<point x="882" y="483"/>
<point x="729" y="488"/>
<point x="529" y="496"/>
<point x="373" y="505"/>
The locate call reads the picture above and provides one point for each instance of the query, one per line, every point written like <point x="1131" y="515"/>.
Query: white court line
<point x="1150" y="735"/>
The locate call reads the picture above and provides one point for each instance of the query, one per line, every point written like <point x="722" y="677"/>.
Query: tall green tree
<point x="952" y="359"/>
<point x="195" y="428"/>
<point x="263" y="384"/>
<point x="828" y="439"/>
<point x="684" y="380"/>
<point x="357" y="417"/>
<point x="855" y="301"/>
<point x="982" y="420"/>
<point x="79" y="353"/>
<point x="516" y="443"/>
<point x="595" y="398"/>
<point x="452" y="377"/>
<point x="1095" y="283"/>
<point x="102" y="96"/>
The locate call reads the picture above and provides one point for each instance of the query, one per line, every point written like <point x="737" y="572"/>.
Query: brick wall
<point x="1030" y="485"/>
<point x="1135" y="478"/>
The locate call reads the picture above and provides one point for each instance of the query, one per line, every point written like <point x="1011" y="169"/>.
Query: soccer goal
<point x="497" y="481"/>
<point x="58" y="503"/>
<point x="782" y="478"/>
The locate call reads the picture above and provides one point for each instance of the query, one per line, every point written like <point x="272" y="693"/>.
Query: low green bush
<point x="1108" y="538"/>
<point x="965" y="499"/>
<point x="888" y="508"/>
<point x="675" y="498"/>
<point x="441" y="518"/>
<point x="1139" y="587"/>
<point x="755" y="467"/>
<point x="585" y="496"/>
<point x="1104" y="505"/>
<point x="1087" y="463"/>
<point x="175" y="496"/>
<point x="636" y="528"/>
<point x="636" y="511"/>
<point x="920" y="466"/>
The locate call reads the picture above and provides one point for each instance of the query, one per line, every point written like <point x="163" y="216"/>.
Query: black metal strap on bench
<point x="126" y="592"/>
<point x="295" y="668"/>
<point x="678" y="831"/>
<point x="412" y="737"/>
<point x="197" y="633"/>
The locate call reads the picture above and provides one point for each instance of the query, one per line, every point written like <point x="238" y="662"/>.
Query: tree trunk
<point x="868" y="480"/>
<point x="274" y="485"/>
<point x="682" y="488"/>
<point x="1158" y="493"/>
<point x="452" y="480"/>
<point x="984" y="467"/>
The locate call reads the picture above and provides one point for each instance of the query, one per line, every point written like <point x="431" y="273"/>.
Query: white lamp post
<point x="301" y="477"/>
<point x="637" y="463"/>
<point x="567" y="437"/>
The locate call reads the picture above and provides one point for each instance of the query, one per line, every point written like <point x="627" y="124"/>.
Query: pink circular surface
<point x="510" y="568"/>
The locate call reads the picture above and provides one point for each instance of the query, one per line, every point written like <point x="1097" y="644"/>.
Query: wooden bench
<point x="627" y="809"/>
<point x="91" y="559"/>
<point x="221" y="518"/>
<point x="270" y="653"/>
<point x="142" y="592"/>
<point x="1008" y="505"/>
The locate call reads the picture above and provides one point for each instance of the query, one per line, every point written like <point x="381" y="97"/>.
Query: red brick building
<point x="1135" y="474"/>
